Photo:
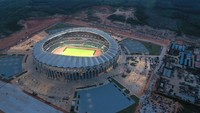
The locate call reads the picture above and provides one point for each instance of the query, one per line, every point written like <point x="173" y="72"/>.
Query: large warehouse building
<point x="76" y="54"/>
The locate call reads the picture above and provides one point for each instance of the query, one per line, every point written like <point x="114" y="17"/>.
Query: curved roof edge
<point x="73" y="61"/>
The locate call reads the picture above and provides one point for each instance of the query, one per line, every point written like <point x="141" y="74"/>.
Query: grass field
<point x="78" y="52"/>
<point x="153" y="49"/>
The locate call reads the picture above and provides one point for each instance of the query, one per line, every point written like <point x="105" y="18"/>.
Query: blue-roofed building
<point x="185" y="62"/>
<point x="189" y="54"/>
<point x="165" y="71"/>
<point x="11" y="66"/>
<point x="188" y="59"/>
<point x="104" y="99"/>
<point x="182" y="58"/>
<point x="169" y="73"/>
<point x="180" y="48"/>
<point x="183" y="48"/>
<point x="176" y="46"/>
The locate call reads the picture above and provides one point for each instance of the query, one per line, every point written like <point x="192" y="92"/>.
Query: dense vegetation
<point x="178" y="15"/>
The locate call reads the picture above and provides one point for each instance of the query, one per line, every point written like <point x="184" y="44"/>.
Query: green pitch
<point x="78" y="52"/>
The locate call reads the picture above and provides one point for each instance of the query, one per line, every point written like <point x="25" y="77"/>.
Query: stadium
<point x="76" y="54"/>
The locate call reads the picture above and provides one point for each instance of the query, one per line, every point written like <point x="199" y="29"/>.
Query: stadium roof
<point x="74" y="61"/>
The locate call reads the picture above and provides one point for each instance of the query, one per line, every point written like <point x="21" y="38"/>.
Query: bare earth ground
<point x="136" y="80"/>
<point x="31" y="27"/>
<point x="125" y="33"/>
<point x="23" y="47"/>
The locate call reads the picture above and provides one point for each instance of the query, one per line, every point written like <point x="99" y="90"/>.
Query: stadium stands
<point x="65" y="67"/>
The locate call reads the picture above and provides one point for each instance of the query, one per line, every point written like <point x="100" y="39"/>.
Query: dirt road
<point x="30" y="28"/>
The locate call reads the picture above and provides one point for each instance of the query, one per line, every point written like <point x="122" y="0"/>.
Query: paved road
<point x="155" y="76"/>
